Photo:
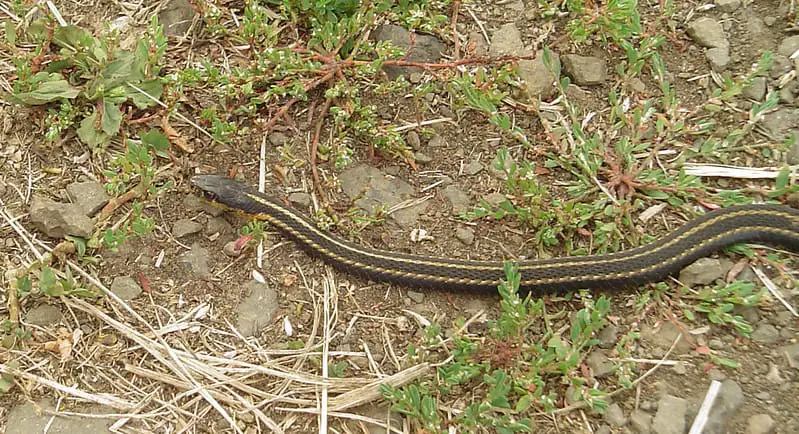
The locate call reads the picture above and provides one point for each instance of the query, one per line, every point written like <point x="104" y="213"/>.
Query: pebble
<point x="670" y="417"/>
<point x="184" y="227"/>
<point x="608" y="336"/>
<point x="412" y="139"/>
<point x="257" y="309"/>
<point x="300" y="199"/>
<point x="465" y="235"/>
<point x="760" y="424"/>
<point x="43" y="315"/>
<point x="599" y="363"/>
<point x="437" y="141"/>
<point x="231" y="249"/>
<point x="473" y="168"/>
<point x="125" y="287"/>
<point x="641" y="421"/>
<point x="614" y="415"/>
<point x="422" y="158"/>
<point x="415" y="296"/>
<point x="766" y="334"/>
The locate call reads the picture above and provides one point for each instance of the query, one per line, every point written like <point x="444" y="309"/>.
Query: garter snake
<point x="699" y="237"/>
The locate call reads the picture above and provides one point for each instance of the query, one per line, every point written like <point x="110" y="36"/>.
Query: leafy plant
<point x="91" y="78"/>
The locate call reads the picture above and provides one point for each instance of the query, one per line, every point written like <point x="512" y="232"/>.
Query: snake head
<point x="219" y="189"/>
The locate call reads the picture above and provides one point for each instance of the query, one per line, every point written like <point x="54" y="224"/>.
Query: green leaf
<point x="154" y="88"/>
<point x="48" y="283"/>
<point x="783" y="178"/>
<point x="656" y="194"/>
<point x="158" y="141"/>
<point x="6" y="379"/>
<point x="74" y="38"/>
<point x="80" y="244"/>
<point x="11" y="33"/>
<point x="47" y="91"/>
<point x="89" y="135"/>
<point x="112" y="119"/>
<point x="24" y="286"/>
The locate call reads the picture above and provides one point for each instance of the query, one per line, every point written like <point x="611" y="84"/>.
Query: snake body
<point x="771" y="224"/>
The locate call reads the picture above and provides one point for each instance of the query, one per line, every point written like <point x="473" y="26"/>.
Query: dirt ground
<point x="370" y="323"/>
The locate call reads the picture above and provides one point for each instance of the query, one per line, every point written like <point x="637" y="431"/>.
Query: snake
<point x="653" y="262"/>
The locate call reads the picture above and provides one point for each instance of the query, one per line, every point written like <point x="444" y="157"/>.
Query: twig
<point x="315" y="146"/>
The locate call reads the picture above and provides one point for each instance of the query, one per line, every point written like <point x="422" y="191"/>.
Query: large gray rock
<point x="56" y="219"/>
<point x="372" y="189"/>
<point x="422" y="48"/>
<point x="257" y="309"/>
<point x="90" y="196"/>
<point x="583" y="70"/>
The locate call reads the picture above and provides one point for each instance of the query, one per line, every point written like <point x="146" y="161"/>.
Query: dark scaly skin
<point x="700" y="237"/>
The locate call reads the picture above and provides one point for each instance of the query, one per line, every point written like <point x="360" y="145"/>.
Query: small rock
<point x="43" y="315"/>
<point x="257" y="308"/>
<point x="608" y="336"/>
<point x="422" y="158"/>
<point x="670" y="417"/>
<point x="585" y="71"/>
<point x="90" y="196"/>
<point x="494" y="199"/>
<point x="763" y="396"/>
<point x="599" y="363"/>
<point x="465" y="235"/>
<point x="218" y="225"/>
<point x="728" y="401"/>
<point x="457" y="198"/>
<point x="412" y="139"/>
<point x="766" y="334"/>
<point x="788" y="46"/>
<point x="716" y="374"/>
<point x="184" y="227"/>
<point x="757" y="90"/>
<point x="641" y="421"/>
<point x="663" y="337"/>
<point x="478" y="41"/>
<point x="748" y="313"/>
<point x="780" y="65"/>
<point x="614" y="415"/>
<point x="716" y="344"/>
<point x="538" y="79"/>
<point x="32" y="418"/>
<point x="718" y="57"/>
<point x="680" y="368"/>
<point x="791" y="353"/>
<point x="473" y="168"/>
<point x="708" y="33"/>
<point x="57" y="220"/>
<point x="196" y="261"/>
<point x="416" y="78"/>
<point x="437" y="141"/>
<point x="728" y="6"/>
<point x="769" y="21"/>
<point x="702" y="272"/>
<point x="125" y="287"/>
<point x="773" y="374"/>
<point x="760" y="424"/>
<point x="278" y="139"/>
<point x="300" y="199"/>
<point x="371" y="189"/>
<point x="231" y="249"/>
<point x="418" y="48"/>
<point x="507" y="41"/>
<point x="415" y="296"/>
<point x="176" y="17"/>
